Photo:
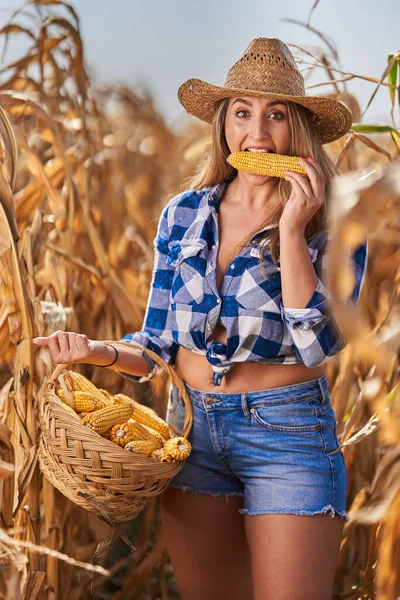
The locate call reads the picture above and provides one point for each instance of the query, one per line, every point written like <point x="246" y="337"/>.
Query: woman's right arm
<point x="67" y="347"/>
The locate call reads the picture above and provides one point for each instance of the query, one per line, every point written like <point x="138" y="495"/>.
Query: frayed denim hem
<point x="186" y="488"/>
<point x="325" y="509"/>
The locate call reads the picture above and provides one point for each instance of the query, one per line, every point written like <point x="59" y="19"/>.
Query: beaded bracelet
<point x="115" y="359"/>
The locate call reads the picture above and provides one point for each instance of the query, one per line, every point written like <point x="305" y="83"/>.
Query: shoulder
<point x="191" y="198"/>
<point x="183" y="208"/>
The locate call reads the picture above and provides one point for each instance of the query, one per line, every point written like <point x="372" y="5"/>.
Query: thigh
<point x="294" y="556"/>
<point x="206" y="541"/>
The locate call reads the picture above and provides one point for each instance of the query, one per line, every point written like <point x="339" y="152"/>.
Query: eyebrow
<point x="273" y="103"/>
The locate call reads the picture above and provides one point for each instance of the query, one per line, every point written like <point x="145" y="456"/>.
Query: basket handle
<point x="160" y="361"/>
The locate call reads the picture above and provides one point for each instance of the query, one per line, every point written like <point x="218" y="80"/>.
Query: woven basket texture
<point x="91" y="470"/>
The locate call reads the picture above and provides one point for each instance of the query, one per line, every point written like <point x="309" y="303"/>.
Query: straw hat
<point x="267" y="68"/>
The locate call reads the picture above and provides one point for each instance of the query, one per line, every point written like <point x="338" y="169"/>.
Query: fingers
<point x="82" y="343"/>
<point x="316" y="176"/>
<point x="314" y="187"/>
<point x="300" y="181"/>
<point x="65" y="347"/>
<point x="41" y="341"/>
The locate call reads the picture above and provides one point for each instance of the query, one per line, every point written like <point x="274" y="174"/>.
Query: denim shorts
<point x="277" y="448"/>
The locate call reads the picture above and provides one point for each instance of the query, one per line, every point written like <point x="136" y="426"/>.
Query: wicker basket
<point x="94" y="472"/>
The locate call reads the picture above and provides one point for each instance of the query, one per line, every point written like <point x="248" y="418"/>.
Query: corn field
<point x="85" y="173"/>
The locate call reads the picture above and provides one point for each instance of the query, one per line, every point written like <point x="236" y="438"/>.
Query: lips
<point x="259" y="150"/>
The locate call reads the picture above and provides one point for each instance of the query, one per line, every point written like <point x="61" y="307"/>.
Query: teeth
<point x="257" y="150"/>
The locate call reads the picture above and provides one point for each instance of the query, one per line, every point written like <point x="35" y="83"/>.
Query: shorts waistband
<point x="271" y="394"/>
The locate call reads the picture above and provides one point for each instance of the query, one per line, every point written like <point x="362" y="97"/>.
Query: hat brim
<point x="332" y="119"/>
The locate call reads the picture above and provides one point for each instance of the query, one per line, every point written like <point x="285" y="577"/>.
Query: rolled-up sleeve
<point x="313" y="329"/>
<point x="156" y="332"/>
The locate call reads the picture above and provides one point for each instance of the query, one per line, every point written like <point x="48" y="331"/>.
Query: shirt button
<point x="218" y="300"/>
<point x="213" y="246"/>
<point x="232" y="266"/>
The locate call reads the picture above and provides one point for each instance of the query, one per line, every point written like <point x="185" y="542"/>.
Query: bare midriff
<point x="193" y="368"/>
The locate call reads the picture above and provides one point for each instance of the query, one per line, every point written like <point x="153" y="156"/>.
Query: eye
<point x="281" y="115"/>
<point x="240" y="111"/>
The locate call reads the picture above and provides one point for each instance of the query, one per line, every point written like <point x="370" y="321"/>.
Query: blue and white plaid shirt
<point x="184" y="304"/>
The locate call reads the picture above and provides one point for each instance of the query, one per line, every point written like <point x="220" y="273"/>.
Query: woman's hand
<point x="307" y="196"/>
<point x="70" y="347"/>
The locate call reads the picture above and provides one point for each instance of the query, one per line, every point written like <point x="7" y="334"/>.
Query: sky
<point x="162" y="43"/>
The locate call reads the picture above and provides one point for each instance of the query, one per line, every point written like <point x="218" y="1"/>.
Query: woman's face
<point x="257" y="124"/>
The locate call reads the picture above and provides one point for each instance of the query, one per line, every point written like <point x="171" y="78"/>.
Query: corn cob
<point x="82" y="415"/>
<point x="151" y="434"/>
<point x="177" y="448"/>
<point x="265" y="163"/>
<point x="81" y="384"/>
<point x="122" y="434"/>
<point x="101" y="421"/>
<point x="85" y="402"/>
<point x="144" y="447"/>
<point x="160" y="455"/>
<point x="143" y="432"/>
<point x="146" y="416"/>
<point x="66" y="398"/>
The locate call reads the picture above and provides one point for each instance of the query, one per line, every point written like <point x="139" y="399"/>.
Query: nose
<point x="259" y="129"/>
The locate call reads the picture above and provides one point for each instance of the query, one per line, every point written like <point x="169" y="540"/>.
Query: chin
<point x="259" y="179"/>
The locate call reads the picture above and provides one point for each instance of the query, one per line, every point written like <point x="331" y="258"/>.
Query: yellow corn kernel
<point x="155" y="435"/>
<point x="177" y="448"/>
<point x="81" y="384"/>
<point x="264" y="163"/>
<point x="144" y="447"/>
<point x="146" y="416"/>
<point x="145" y="433"/>
<point x="85" y="402"/>
<point x="101" y="421"/>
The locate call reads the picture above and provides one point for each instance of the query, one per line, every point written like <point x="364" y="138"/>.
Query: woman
<point x="238" y="305"/>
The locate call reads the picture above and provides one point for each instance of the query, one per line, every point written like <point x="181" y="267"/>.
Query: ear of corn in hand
<point x="265" y="163"/>
<point x="101" y="421"/>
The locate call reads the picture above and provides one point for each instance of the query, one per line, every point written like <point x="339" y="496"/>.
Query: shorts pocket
<point x="176" y="410"/>
<point x="293" y="417"/>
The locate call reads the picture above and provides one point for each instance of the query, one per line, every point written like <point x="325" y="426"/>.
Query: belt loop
<point x="245" y="408"/>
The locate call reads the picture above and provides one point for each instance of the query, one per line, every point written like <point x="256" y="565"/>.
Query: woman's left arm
<point x="305" y="306"/>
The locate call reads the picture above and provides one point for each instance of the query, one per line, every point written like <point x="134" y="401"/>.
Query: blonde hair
<point x="303" y="142"/>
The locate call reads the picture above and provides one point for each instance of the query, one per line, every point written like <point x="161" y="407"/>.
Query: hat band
<point x="258" y="83"/>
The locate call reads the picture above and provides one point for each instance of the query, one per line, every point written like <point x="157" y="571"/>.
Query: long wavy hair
<point x="303" y="142"/>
